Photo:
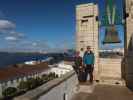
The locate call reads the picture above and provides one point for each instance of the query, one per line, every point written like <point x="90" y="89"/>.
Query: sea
<point x="7" y="58"/>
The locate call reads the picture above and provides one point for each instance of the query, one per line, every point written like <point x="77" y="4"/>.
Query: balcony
<point x="67" y="87"/>
<point x="64" y="89"/>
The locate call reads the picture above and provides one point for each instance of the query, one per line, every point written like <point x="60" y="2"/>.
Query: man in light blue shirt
<point x="88" y="61"/>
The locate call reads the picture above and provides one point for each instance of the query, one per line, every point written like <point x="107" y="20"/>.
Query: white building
<point x="30" y="62"/>
<point x="38" y="61"/>
<point x="61" y="69"/>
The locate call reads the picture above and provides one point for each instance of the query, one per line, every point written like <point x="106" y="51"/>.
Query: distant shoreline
<point x="17" y="58"/>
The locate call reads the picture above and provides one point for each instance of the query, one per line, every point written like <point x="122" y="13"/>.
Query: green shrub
<point x="56" y="76"/>
<point x="45" y="78"/>
<point x="39" y="81"/>
<point x="27" y="85"/>
<point x="49" y="77"/>
<point x="23" y="86"/>
<point x="52" y="76"/>
<point x="9" y="92"/>
<point x="44" y="75"/>
<point x="31" y="83"/>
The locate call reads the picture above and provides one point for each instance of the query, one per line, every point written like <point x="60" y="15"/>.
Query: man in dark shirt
<point x="78" y="67"/>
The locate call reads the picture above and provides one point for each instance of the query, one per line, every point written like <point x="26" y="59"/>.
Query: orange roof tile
<point x="14" y="72"/>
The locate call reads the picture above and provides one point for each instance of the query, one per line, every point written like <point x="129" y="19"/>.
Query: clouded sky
<point x="38" y="24"/>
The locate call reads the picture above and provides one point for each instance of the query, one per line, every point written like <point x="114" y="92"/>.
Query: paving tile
<point x="106" y="92"/>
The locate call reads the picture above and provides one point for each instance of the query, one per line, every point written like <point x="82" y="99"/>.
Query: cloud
<point x="14" y="37"/>
<point x="34" y="44"/>
<point x="37" y="45"/>
<point x="7" y="29"/>
<point x="18" y="41"/>
<point x="6" y="26"/>
<point x="11" y="38"/>
<point x="17" y="34"/>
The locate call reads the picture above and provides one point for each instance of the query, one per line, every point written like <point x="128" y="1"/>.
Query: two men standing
<point x="86" y="64"/>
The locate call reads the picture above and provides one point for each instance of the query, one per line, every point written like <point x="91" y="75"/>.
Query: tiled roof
<point x="15" y="72"/>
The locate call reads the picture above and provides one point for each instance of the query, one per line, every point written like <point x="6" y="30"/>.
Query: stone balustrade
<point x="58" y="89"/>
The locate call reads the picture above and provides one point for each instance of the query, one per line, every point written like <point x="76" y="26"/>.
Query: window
<point x="88" y="16"/>
<point x="84" y="21"/>
<point x="126" y="15"/>
<point x="96" y="18"/>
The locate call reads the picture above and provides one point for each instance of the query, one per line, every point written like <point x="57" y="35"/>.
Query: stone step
<point x="109" y="62"/>
<point x="113" y="67"/>
<point x="110" y="73"/>
<point x="112" y="81"/>
<point x="107" y="71"/>
<point x="112" y="76"/>
<point x="85" y="87"/>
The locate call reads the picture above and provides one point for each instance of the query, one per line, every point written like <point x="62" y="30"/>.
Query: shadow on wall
<point x="127" y="65"/>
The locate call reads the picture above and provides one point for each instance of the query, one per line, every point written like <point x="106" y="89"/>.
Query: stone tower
<point x="87" y="29"/>
<point x="129" y="24"/>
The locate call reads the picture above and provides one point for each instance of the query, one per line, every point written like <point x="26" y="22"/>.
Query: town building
<point x="61" y="69"/>
<point x="12" y="75"/>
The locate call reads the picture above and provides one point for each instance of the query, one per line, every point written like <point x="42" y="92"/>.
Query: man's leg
<point x="91" y="74"/>
<point x="87" y="71"/>
<point x="91" y="77"/>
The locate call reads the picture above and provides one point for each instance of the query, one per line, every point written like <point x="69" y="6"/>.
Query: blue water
<point x="15" y="58"/>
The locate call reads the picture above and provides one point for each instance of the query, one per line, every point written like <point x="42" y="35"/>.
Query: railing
<point x="58" y="89"/>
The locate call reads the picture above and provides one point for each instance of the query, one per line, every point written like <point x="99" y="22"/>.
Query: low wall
<point x="129" y="70"/>
<point x="58" y="89"/>
<point x="110" y="68"/>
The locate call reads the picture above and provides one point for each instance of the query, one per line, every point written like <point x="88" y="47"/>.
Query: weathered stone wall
<point x="129" y="23"/>
<point x="129" y="70"/>
<point x="128" y="60"/>
<point x="87" y="29"/>
<point x="110" y="68"/>
<point x="64" y="91"/>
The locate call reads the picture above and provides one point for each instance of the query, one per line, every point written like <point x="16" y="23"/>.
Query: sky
<point x="33" y="25"/>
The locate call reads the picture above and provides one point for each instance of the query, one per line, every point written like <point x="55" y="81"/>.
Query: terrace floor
<point x="103" y="92"/>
